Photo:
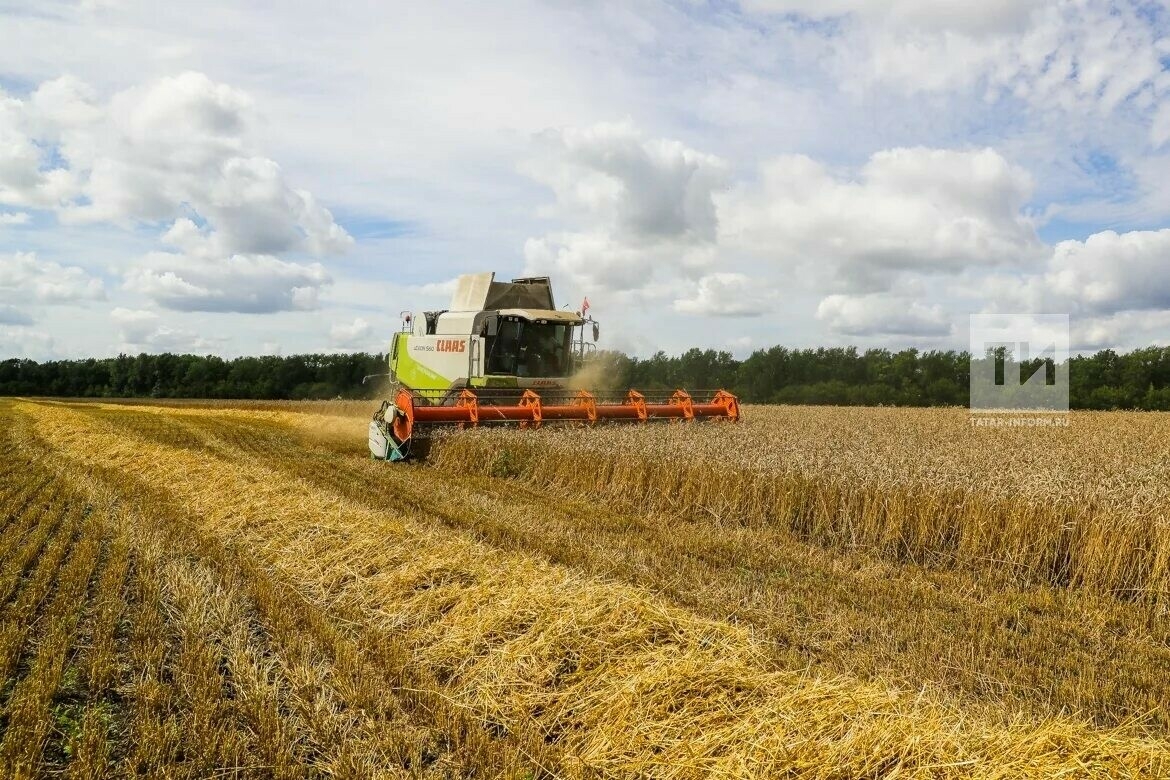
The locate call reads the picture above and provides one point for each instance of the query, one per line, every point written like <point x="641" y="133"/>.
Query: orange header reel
<point x="411" y="411"/>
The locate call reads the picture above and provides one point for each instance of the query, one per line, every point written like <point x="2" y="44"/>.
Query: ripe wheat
<point x="1083" y="506"/>
<point x="582" y="675"/>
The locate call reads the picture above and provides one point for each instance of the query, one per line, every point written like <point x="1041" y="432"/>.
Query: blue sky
<point x="717" y="174"/>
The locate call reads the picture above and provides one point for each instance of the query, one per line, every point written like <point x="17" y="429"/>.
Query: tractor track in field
<point x="846" y="613"/>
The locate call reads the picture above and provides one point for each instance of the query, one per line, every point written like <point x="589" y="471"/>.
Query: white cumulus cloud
<point x="174" y="145"/>
<point x="726" y="295"/>
<point x="641" y="188"/>
<point x="175" y="150"/>
<point x="638" y="206"/>
<point x="882" y="315"/>
<point x="917" y="209"/>
<point x="24" y="278"/>
<point x="1106" y="274"/>
<point x="597" y="261"/>
<point x="1110" y="272"/>
<point x="26" y="343"/>
<point x="350" y="335"/>
<point x="27" y="179"/>
<point x="1073" y="57"/>
<point x="198" y="277"/>
<point x="251" y="284"/>
<point x="143" y="330"/>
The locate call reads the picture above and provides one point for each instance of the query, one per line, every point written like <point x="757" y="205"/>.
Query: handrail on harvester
<point x="531" y="410"/>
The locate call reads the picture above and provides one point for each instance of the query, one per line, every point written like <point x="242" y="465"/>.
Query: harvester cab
<point x="503" y="353"/>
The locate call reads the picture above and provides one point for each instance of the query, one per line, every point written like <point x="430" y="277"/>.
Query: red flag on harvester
<point x="585" y="306"/>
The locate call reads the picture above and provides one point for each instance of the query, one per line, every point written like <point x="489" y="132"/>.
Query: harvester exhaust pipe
<point x="394" y="424"/>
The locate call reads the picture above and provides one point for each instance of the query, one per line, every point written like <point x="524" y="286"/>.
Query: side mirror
<point x="596" y="331"/>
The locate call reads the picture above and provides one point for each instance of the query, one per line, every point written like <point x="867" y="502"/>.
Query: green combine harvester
<point x="502" y="353"/>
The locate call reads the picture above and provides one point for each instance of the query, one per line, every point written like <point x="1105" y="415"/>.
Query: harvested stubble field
<point x="217" y="590"/>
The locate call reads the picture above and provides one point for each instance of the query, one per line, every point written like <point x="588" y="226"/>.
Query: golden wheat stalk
<point x="620" y="681"/>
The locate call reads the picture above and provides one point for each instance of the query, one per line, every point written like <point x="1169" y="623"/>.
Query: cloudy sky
<point x="289" y="177"/>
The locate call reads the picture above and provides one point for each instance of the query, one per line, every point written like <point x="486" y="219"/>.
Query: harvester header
<point x="503" y="353"/>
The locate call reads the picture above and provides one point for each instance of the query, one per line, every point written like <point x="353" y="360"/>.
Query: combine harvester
<point x="503" y="353"/>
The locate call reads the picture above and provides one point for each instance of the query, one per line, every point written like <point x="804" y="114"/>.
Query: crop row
<point x="984" y="634"/>
<point x="608" y="678"/>
<point x="132" y="645"/>
<point x="1083" y="506"/>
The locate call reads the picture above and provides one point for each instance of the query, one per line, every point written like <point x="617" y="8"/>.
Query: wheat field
<point x="237" y="590"/>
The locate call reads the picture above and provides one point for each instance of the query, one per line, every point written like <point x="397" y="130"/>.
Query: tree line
<point x="194" y="376"/>
<point x="840" y="375"/>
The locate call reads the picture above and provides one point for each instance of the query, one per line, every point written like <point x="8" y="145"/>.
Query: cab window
<point x="529" y="349"/>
